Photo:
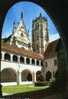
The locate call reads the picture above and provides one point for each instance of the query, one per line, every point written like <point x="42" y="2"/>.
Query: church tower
<point x="19" y="36"/>
<point x="40" y="34"/>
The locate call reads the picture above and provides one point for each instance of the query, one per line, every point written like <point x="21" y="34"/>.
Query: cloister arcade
<point x="16" y="69"/>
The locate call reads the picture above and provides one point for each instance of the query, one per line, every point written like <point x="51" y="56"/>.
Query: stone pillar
<point x="3" y="53"/>
<point x="24" y="60"/>
<point x="18" y="77"/>
<point x="34" y="76"/>
<point x="11" y="57"/>
<point x="39" y="62"/>
<point x="52" y="75"/>
<point x="35" y="61"/>
<point x="18" y="59"/>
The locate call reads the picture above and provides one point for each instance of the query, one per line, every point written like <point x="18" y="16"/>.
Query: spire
<point x="21" y="15"/>
<point x="14" y="26"/>
<point x="28" y="33"/>
<point x="40" y="15"/>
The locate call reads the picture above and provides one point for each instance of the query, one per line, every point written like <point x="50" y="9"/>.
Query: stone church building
<point x="23" y="62"/>
<point x="19" y="64"/>
<point x="40" y="36"/>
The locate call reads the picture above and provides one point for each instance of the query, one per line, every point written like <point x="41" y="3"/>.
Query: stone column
<point x="24" y="60"/>
<point x="39" y="62"/>
<point x="52" y="75"/>
<point x="3" y="53"/>
<point x="34" y="76"/>
<point x="18" y="77"/>
<point x="11" y="57"/>
<point x="35" y="61"/>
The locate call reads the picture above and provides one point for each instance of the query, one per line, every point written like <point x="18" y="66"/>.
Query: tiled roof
<point x="51" y="49"/>
<point x="20" y="51"/>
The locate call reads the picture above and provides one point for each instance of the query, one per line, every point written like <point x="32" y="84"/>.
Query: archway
<point x="26" y="75"/>
<point x="48" y="75"/>
<point x="15" y="58"/>
<point x="7" y="57"/>
<point x="27" y="60"/>
<point x="8" y="75"/>
<point x="39" y="76"/>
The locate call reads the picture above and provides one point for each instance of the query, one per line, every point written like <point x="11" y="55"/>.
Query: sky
<point x="30" y="12"/>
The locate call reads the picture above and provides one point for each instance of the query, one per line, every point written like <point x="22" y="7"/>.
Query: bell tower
<point x="40" y="36"/>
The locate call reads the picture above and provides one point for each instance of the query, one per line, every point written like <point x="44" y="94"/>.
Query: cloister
<point x="17" y="69"/>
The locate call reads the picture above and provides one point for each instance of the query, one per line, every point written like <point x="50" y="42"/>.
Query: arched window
<point x="37" y="62"/>
<point x="7" y="57"/>
<point x="21" y="59"/>
<point x="15" y="59"/>
<point x="55" y="62"/>
<point x="33" y="61"/>
<point x="39" y="76"/>
<point x="48" y="75"/>
<point x="27" y="60"/>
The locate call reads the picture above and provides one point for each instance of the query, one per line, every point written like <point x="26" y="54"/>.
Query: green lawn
<point x="20" y="88"/>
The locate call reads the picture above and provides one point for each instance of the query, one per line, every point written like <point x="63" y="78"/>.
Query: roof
<point x="20" y="51"/>
<point x="51" y="49"/>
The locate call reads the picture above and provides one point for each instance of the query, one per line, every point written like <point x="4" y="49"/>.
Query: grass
<point x="20" y="88"/>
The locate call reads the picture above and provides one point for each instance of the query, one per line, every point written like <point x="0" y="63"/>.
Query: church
<point x="19" y="63"/>
<point x="26" y="62"/>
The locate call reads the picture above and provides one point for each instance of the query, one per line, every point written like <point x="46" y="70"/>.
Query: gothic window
<point x="15" y="59"/>
<point x="33" y="61"/>
<point x="27" y="60"/>
<point x="37" y="26"/>
<point x="7" y="57"/>
<point x="22" y="59"/>
<point x="55" y="62"/>
<point x="48" y="75"/>
<point x="53" y="74"/>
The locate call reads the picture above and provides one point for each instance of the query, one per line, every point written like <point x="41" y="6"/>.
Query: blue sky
<point x="30" y="12"/>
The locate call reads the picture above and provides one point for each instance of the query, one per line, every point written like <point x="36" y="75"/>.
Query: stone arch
<point x="33" y="61"/>
<point x="28" y="60"/>
<point x="21" y="59"/>
<point x="7" y="56"/>
<point x="8" y="75"/>
<point x="15" y="58"/>
<point x="39" y="76"/>
<point x="48" y="75"/>
<point x="26" y="75"/>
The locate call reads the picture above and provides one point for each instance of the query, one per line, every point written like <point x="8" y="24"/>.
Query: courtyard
<point x="9" y="90"/>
